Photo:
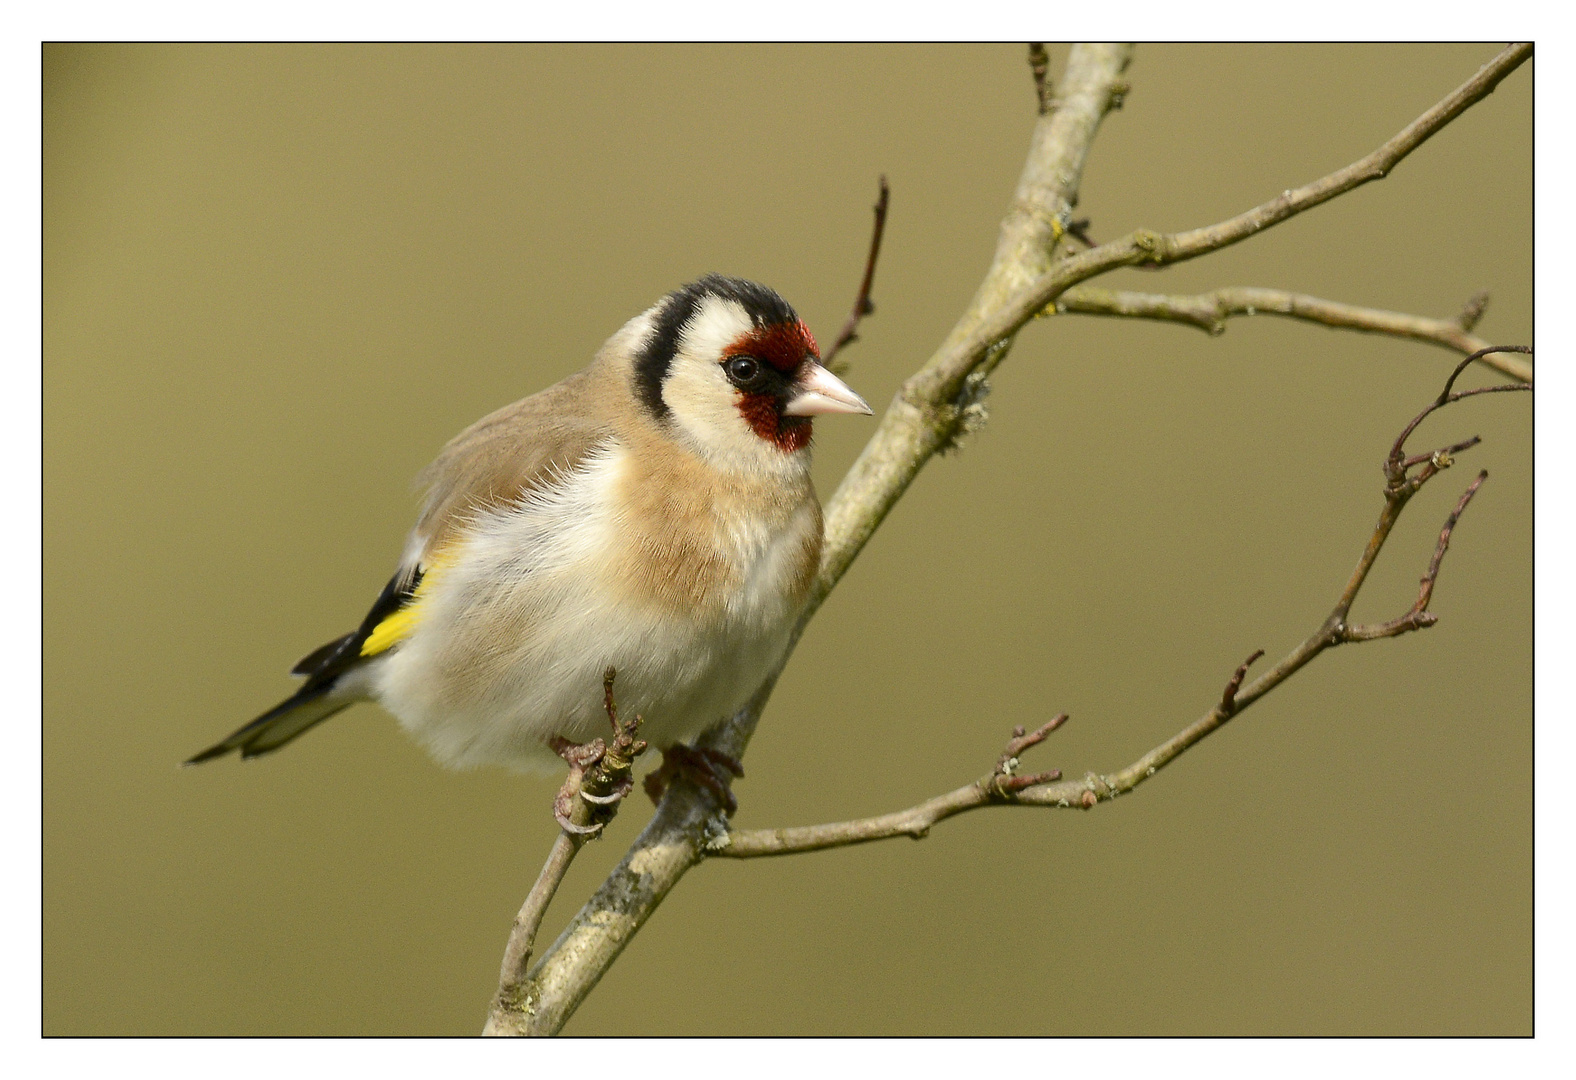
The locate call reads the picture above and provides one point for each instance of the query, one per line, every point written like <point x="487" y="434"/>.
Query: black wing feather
<point x="327" y="662"/>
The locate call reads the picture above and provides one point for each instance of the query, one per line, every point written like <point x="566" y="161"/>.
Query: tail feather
<point x="325" y="668"/>
<point x="319" y="657"/>
<point x="308" y="707"/>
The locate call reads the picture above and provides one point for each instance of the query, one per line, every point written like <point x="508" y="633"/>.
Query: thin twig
<point x="1040" y="65"/>
<point x="1079" y="231"/>
<point x="1005" y="781"/>
<point x="1397" y="463"/>
<point x="511" y="998"/>
<point x="862" y="303"/>
<point x="1209" y="312"/>
<point x="1228" y="698"/>
<point x="990" y="790"/>
<point x="1419" y="617"/>
<point x="1376" y="166"/>
<point x="1472" y="311"/>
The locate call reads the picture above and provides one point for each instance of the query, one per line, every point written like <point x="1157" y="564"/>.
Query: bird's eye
<point x="743" y="371"/>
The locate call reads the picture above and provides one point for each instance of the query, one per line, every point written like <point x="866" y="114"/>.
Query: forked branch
<point x="600" y="775"/>
<point x="943" y="377"/>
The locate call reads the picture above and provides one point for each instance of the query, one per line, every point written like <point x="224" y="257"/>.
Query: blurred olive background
<point x="278" y="278"/>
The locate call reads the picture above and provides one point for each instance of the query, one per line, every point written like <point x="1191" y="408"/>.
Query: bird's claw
<point x="616" y="795"/>
<point x="570" y="827"/>
<point x="580" y="756"/>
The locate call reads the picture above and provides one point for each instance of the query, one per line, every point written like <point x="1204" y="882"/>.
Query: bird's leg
<point x="600" y="773"/>
<point x="701" y="765"/>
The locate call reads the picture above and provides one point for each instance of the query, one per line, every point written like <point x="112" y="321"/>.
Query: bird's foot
<point x="702" y="766"/>
<point x="600" y="773"/>
<point x="580" y="756"/>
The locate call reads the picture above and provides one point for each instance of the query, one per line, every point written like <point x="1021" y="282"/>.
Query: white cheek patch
<point x="704" y="404"/>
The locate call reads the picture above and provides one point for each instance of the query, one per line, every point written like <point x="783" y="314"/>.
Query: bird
<point x="652" y="513"/>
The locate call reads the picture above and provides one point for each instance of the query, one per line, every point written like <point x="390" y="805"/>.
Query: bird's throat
<point x="763" y="412"/>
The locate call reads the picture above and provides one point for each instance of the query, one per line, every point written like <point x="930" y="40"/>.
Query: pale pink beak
<point x="817" y="392"/>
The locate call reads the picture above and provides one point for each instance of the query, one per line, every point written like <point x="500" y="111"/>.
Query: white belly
<point x="519" y="624"/>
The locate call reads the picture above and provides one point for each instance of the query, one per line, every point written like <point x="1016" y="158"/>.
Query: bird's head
<point x="734" y="372"/>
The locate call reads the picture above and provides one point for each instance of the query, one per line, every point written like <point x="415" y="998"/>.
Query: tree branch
<point x="973" y="342"/>
<point x="1001" y="788"/>
<point x="927" y="416"/>
<point x="1209" y="312"/>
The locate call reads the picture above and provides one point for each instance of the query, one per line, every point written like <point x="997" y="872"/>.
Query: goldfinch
<point x="652" y="513"/>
